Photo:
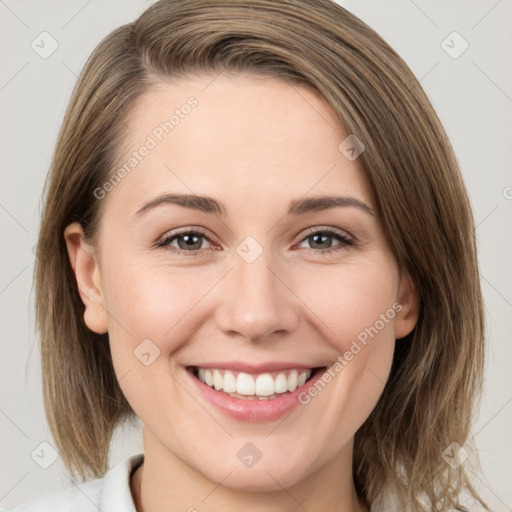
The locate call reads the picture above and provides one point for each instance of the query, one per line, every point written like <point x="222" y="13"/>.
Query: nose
<point x="256" y="302"/>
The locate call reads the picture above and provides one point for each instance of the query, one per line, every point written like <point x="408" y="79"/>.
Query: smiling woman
<point x="283" y="287"/>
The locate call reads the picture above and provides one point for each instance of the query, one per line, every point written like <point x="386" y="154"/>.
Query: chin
<point x="262" y="477"/>
<point x="253" y="480"/>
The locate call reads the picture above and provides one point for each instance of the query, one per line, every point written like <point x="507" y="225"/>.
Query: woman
<point x="256" y="239"/>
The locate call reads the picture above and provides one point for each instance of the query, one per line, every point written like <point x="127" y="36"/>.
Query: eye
<point x="187" y="242"/>
<point x="190" y="242"/>
<point x="321" y="240"/>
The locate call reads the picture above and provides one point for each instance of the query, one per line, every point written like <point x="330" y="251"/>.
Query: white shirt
<point x="108" y="494"/>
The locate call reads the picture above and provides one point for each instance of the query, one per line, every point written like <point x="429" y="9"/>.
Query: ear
<point x="408" y="298"/>
<point x="87" y="273"/>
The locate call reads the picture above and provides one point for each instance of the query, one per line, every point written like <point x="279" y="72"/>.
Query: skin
<point x="253" y="143"/>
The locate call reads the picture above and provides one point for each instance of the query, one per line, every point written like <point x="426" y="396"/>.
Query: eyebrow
<point x="315" y="204"/>
<point x="296" y="207"/>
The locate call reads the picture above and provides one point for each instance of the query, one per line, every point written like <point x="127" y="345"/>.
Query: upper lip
<point x="239" y="366"/>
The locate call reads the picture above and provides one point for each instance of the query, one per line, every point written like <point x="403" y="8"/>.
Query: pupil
<point x="316" y="237"/>
<point x="190" y="240"/>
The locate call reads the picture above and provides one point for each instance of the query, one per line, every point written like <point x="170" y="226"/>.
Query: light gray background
<point x="472" y="95"/>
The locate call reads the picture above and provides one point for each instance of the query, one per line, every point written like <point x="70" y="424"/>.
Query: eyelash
<point x="345" y="241"/>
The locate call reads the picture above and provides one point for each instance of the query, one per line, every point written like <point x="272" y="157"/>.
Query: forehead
<point x="243" y="134"/>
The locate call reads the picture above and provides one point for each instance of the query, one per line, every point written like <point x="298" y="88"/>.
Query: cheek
<point x="355" y="310"/>
<point x="154" y="303"/>
<point x="352" y="302"/>
<point x="152" y="313"/>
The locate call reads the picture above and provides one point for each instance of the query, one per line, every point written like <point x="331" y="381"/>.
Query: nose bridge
<point x="255" y="302"/>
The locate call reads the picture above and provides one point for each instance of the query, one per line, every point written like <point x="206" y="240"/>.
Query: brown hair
<point x="428" y="401"/>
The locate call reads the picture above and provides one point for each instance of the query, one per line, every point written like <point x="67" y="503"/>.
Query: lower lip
<point x="254" y="410"/>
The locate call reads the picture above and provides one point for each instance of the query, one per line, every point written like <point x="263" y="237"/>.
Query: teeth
<point x="264" y="385"/>
<point x="280" y="384"/>
<point x="218" y="381"/>
<point x="244" y="385"/>
<point x="229" y="385"/>
<point x="291" y="383"/>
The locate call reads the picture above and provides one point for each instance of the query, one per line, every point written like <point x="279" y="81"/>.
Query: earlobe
<point x="408" y="298"/>
<point x="87" y="273"/>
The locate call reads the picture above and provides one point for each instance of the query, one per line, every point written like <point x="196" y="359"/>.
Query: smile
<point x="246" y="386"/>
<point x="253" y="392"/>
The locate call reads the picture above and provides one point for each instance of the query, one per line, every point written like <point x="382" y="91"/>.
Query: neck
<point x="166" y="481"/>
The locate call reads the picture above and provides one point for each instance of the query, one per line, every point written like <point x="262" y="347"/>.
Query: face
<point x="258" y="282"/>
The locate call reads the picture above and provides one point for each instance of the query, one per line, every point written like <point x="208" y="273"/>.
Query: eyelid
<point x="329" y="230"/>
<point x="187" y="230"/>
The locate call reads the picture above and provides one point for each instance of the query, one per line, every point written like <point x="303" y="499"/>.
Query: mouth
<point x="255" y="386"/>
